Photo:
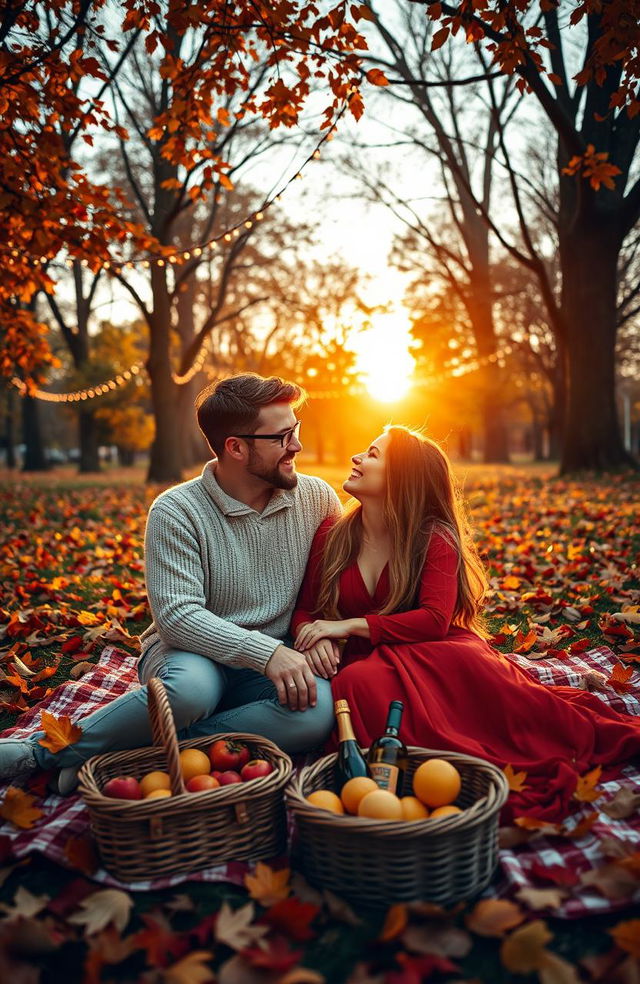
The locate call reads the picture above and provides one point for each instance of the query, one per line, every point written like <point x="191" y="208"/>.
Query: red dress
<point x="461" y="695"/>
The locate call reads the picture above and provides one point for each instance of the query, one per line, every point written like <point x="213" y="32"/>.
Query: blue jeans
<point x="206" y="698"/>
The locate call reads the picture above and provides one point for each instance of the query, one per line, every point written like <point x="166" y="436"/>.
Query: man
<point x="224" y="558"/>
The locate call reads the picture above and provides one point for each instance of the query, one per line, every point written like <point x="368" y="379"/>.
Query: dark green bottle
<point x="350" y="762"/>
<point x="388" y="756"/>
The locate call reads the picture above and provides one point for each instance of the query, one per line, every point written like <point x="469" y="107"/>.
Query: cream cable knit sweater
<point x="223" y="579"/>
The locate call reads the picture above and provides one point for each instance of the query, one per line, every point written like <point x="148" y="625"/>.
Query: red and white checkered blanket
<point x="116" y="672"/>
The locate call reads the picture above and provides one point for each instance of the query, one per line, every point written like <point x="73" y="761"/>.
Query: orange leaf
<point x="376" y="77"/>
<point x="584" y="826"/>
<point x="532" y="823"/>
<point x="516" y="780"/>
<point x="619" y="678"/>
<point x="394" y="924"/>
<point x="523" y="643"/>
<point x="493" y="917"/>
<point x="17" y="807"/>
<point x="627" y="936"/>
<point x="585" y="790"/>
<point x="59" y="732"/>
<point x="267" y="886"/>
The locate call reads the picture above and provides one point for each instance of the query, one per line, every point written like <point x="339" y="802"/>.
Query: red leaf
<point x="292" y="917"/>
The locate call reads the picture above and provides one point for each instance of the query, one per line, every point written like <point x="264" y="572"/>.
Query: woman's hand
<point x="312" y="632"/>
<point x="323" y="658"/>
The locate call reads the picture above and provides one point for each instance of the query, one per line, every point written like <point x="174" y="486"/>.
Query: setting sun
<point x="384" y="359"/>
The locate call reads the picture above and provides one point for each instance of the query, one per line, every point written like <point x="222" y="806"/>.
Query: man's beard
<point x="272" y="476"/>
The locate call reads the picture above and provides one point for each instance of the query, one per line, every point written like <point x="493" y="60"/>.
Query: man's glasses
<point x="284" y="439"/>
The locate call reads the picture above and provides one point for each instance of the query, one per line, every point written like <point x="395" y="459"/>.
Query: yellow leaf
<point x="493" y="917"/>
<point x="267" y="886"/>
<point x="524" y="950"/>
<point x="190" y="970"/>
<point x="17" y="807"/>
<point x="585" y="790"/>
<point x="516" y="780"/>
<point x="395" y="923"/>
<point x="627" y="936"/>
<point x="557" y="970"/>
<point x="59" y="733"/>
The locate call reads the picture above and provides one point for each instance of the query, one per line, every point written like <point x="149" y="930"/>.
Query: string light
<point x="177" y="256"/>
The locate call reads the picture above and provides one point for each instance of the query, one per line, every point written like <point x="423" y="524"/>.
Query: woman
<point x="399" y="579"/>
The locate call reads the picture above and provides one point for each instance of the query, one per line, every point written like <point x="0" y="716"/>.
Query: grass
<point x="71" y="545"/>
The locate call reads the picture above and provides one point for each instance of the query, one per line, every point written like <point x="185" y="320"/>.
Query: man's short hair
<point x="232" y="406"/>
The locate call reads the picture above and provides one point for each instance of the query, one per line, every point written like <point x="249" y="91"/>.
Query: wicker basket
<point x="139" y="839"/>
<point x="380" y="862"/>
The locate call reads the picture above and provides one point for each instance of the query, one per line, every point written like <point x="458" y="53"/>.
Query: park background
<point x="426" y="214"/>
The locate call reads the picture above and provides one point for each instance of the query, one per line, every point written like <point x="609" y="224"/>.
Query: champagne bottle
<point x="388" y="756"/>
<point x="350" y="762"/>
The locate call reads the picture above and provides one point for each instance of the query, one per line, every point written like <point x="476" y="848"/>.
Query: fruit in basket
<point x="353" y="791"/>
<point x="123" y="788"/>
<point x="445" y="811"/>
<point x="228" y="778"/>
<point x="326" y="800"/>
<point x="197" y="784"/>
<point x="436" y="782"/>
<point x="157" y="794"/>
<point x="193" y="762"/>
<point x="228" y="754"/>
<point x="380" y="805"/>
<point x="154" y="780"/>
<point x="413" y="809"/>
<point x="255" y="769"/>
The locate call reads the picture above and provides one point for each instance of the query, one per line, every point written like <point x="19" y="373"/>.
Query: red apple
<point x="199" y="783"/>
<point x="216" y="774"/>
<point x="255" y="769"/>
<point x="123" y="788"/>
<point x="228" y="778"/>
<point x="226" y="754"/>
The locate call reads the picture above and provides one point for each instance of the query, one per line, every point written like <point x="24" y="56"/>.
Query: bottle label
<point x="385" y="775"/>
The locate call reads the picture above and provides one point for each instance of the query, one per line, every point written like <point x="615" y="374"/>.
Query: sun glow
<point x="384" y="358"/>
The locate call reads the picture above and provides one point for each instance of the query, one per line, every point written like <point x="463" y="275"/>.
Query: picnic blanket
<point x="66" y="819"/>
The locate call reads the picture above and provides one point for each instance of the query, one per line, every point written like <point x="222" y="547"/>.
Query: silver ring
<point x="291" y="684"/>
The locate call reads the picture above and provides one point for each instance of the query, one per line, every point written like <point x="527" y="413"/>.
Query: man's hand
<point x="293" y="678"/>
<point x="324" y="658"/>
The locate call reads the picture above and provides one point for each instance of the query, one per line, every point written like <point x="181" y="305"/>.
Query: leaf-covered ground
<point x="563" y="560"/>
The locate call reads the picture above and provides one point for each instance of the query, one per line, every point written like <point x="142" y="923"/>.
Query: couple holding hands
<point x="269" y="603"/>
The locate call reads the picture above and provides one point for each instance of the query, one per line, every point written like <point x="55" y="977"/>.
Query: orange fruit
<point x="413" y="809"/>
<point x="154" y="780"/>
<point x="193" y="762"/>
<point x="157" y="794"/>
<point x="380" y="805"/>
<point x="436" y="782"/>
<point x="444" y="811"/>
<point x="326" y="800"/>
<point x="353" y="791"/>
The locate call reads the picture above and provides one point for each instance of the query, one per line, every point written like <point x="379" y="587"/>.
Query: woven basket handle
<point x="164" y="731"/>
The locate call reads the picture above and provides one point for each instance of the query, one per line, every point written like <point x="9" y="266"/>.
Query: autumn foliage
<point x="54" y="72"/>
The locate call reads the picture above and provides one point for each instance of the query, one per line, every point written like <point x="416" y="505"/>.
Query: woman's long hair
<point x="421" y="497"/>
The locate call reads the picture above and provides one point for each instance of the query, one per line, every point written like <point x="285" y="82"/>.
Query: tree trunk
<point x="34" y="456"/>
<point x="88" y="440"/>
<point x="592" y="438"/>
<point x="9" y="444"/>
<point x="193" y="447"/>
<point x="496" y="439"/>
<point x="479" y="308"/>
<point x="165" y="465"/>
